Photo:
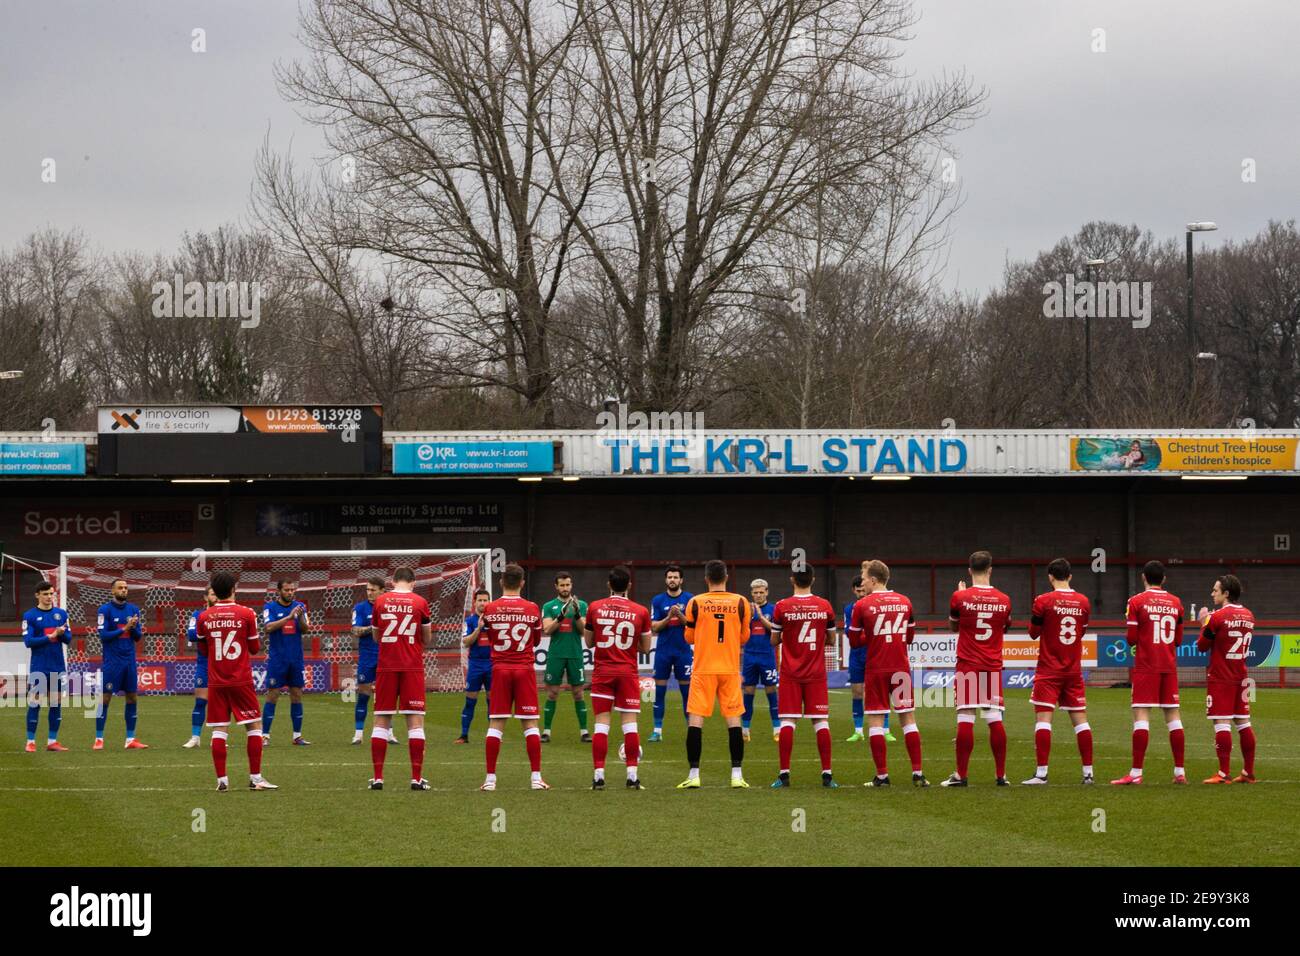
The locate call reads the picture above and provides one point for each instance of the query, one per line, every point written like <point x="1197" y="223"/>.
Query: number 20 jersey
<point x="228" y="629"/>
<point x="1155" y="628"/>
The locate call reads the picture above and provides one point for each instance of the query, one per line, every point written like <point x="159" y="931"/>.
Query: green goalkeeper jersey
<point x="566" y="640"/>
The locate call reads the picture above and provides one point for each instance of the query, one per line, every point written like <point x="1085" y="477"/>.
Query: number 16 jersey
<point x="228" y="631"/>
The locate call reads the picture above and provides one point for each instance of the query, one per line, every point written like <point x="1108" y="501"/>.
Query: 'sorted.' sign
<point x="473" y="457"/>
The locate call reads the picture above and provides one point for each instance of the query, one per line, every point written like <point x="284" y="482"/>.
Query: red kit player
<point x="1155" y="630"/>
<point x="617" y="630"/>
<point x="801" y="624"/>
<point x="1058" y="622"/>
<point x="1226" y="634"/>
<point x="884" y="624"/>
<point x="226" y="634"/>
<point x="401" y="623"/>
<point x="515" y="629"/>
<point x="980" y="615"/>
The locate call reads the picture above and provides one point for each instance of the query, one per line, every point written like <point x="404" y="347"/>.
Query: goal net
<point x="168" y="586"/>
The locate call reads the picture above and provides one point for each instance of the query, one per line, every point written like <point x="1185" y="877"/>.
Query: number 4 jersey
<point x="228" y="633"/>
<point x="1155" y="628"/>
<point x="397" y="619"/>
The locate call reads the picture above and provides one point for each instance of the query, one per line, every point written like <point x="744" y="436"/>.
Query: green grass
<point x="138" y="807"/>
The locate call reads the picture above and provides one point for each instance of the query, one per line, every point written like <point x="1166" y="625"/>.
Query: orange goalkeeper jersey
<point x="717" y="624"/>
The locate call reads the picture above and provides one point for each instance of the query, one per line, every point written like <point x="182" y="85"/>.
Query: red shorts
<point x="802" y="698"/>
<point x="978" y="689"/>
<point x="514" y="693"/>
<point x="399" y="692"/>
<point x="1227" y="698"/>
<point x="1059" y="690"/>
<point x="883" y="691"/>
<point x="623" y="691"/>
<point x="1155" y="690"/>
<point x="236" y="700"/>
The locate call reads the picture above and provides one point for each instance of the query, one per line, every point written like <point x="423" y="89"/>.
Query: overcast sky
<point x="152" y="140"/>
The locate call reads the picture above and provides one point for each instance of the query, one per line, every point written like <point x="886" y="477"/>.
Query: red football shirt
<point x="618" y="625"/>
<point x="982" y="613"/>
<point x="884" y="622"/>
<point x="1059" y="620"/>
<point x="804" y="620"/>
<point x="397" y="619"/>
<point x="226" y="634"/>
<point x="1227" y="636"/>
<point x="516" y="628"/>
<point x="1155" y="628"/>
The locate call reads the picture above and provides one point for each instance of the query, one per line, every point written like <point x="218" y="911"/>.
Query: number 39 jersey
<point x="982" y="613"/>
<point x="1155" y="628"/>
<point x="228" y="631"/>
<point x="514" y="626"/>
<point x="618" y="625"/>
<point x="1059" y="619"/>
<point x="397" y="618"/>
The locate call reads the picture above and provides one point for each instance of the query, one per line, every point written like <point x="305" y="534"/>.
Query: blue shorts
<point x="46" y="687"/>
<point x="117" y="676"/>
<point x="200" y="673"/>
<point x="284" y="674"/>
<point x="366" y="671"/>
<point x="761" y="671"/>
<point x="674" y="663"/>
<point x="478" y="676"/>
<point x="858" y="665"/>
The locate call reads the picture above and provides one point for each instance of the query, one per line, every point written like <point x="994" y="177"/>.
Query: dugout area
<point x="923" y="528"/>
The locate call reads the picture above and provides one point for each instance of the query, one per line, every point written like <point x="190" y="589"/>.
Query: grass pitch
<point x="142" y="808"/>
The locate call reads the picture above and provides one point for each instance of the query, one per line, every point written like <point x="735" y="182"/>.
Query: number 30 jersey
<point x="514" y="626"/>
<point x="397" y="618"/>
<point x="227" y="635"/>
<point x="981" y="613"/>
<point x="618" y="625"/>
<point x="1155" y="629"/>
<point x="1059" y="619"/>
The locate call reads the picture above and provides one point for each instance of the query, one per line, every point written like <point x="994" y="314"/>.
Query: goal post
<point x="168" y="586"/>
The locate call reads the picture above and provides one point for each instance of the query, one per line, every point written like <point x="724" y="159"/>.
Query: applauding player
<point x="562" y="620"/>
<point x="883" y="624"/>
<point x="226" y="634"/>
<point x="1155" y="630"/>
<point x="119" y="632"/>
<point x="403" y="624"/>
<point x="617" y="629"/>
<point x="1226" y="634"/>
<point x="801" y="624"/>
<point x="980" y="615"/>
<point x="1058" y="621"/>
<point x="673" y="656"/>
<point x="515" y="626"/>
<point x="45" y="631"/>
<point x="478" y="670"/>
<point x="284" y="621"/>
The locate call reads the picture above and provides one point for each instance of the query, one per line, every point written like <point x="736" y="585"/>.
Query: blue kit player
<point x="673" y="656"/>
<point x="758" y="663"/>
<point x="858" y="669"/>
<point x="478" y="670"/>
<point x="367" y="656"/>
<point x="45" y="631"/>
<point x="200" y="711"/>
<point x="119" y="632"/>
<point x="284" y="620"/>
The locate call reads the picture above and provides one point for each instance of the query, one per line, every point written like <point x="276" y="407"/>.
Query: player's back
<point x="617" y="624"/>
<point x="1062" y="616"/>
<point x="228" y="630"/>
<point x="1232" y="627"/>
<point x="397" y="617"/>
<point x="1155" y="627"/>
<point x="717" y="624"/>
<point x="982" y="613"/>
<point x="804" y="620"/>
<point x="515" y="624"/>
<point x="888" y="621"/>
